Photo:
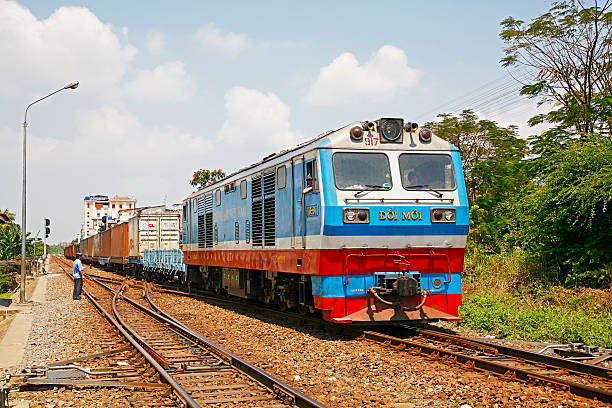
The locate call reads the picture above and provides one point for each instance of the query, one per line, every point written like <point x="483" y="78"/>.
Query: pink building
<point x="96" y="207"/>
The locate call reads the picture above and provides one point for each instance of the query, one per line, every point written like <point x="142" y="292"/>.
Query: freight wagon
<point x="123" y="246"/>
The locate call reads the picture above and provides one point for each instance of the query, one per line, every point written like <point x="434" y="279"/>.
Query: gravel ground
<point x="341" y="372"/>
<point x="65" y="328"/>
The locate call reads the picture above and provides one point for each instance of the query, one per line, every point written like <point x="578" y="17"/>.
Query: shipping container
<point x="105" y="244"/>
<point x="152" y="232"/>
<point x="119" y="243"/>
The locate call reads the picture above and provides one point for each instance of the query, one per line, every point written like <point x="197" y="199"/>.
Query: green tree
<point x="491" y="157"/>
<point x="10" y="241"/>
<point x="566" y="215"/>
<point x="569" y="51"/>
<point x="202" y="177"/>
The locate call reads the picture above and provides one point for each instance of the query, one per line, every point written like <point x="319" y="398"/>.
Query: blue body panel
<point x="334" y="285"/>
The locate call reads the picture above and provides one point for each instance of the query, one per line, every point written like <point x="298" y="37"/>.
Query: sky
<point x="170" y="87"/>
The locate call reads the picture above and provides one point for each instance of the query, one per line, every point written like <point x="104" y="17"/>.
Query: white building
<point x="96" y="207"/>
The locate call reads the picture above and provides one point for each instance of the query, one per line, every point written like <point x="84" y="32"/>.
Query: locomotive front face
<point x="395" y="225"/>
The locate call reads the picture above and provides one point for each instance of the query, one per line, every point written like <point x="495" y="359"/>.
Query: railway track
<point x="200" y="372"/>
<point x="582" y="379"/>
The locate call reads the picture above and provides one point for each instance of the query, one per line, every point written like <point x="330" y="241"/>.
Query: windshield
<point x="434" y="171"/>
<point x="362" y="171"/>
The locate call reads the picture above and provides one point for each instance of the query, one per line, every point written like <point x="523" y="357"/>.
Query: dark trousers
<point x="78" y="285"/>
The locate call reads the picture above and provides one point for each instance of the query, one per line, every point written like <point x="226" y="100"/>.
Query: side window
<point x="185" y="211"/>
<point x="218" y="197"/>
<point x="243" y="189"/>
<point x="311" y="175"/>
<point x="194" y="204"/>
<point x="281" y="177"/>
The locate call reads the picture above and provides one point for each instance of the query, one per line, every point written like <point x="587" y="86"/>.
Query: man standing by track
<point x="77" y="274"/>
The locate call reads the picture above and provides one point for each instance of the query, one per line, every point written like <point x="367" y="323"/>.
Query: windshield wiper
<point x="426" y="186"/>
<point x="376" y="186"/>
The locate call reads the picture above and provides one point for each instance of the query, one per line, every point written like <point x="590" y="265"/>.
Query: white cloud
<point x="345" y="81"/>
<point x="121" y="135"/>
<point x="166" y="82"/>
<point x="256" y="123"/>
<point x="156" y="42"/>
<point x="209" y="36"/>
<point x="71" y="44"/>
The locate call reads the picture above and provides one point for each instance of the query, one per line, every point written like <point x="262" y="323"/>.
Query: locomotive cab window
<point x="218" y="197"/>
<point x="362" y="171"/>
<point x="243" y="189"/>
<point x="427" y="171"/>
<point x="281" y="177"/>
<point x="311" y="175"/>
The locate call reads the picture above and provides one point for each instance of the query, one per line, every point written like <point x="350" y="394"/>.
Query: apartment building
<point x="98" y="208"/>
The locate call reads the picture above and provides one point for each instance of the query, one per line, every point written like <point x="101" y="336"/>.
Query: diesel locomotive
<point x="366" y="225"/>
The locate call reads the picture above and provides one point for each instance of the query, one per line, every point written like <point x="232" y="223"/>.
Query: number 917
<point x="371" y="141"/>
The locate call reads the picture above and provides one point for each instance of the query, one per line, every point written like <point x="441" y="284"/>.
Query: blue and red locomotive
<point x="366" y="224"/>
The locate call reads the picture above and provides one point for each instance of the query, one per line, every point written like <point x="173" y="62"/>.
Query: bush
<point x="518" y="318"/>
<point x="565" y="215"/>
<point x="6" y="283"/>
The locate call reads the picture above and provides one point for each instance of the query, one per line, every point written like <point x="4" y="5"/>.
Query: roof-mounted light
<point x="356" y="134"/>
<point x="425" y="135"/>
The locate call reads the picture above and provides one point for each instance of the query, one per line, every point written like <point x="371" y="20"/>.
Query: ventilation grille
<point x="257" y="223"/>
<point x="205" y="204"/>
<point x="237" y="232"/>
<point x="269" y="221"/>
<point x="256" y="188"/>
<point x="247" y="231"/>
<point x="264" y="210"/>
<point x="269" y="184"/>
<point x="201" y="229"/>
<point x="205" y="221"/>
<point x="209" y="230"/>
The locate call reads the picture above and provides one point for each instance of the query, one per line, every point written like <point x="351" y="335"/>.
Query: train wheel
<point x="303" y="310"/>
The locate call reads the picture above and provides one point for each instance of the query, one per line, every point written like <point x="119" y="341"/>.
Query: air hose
<point x="397" y="305"/>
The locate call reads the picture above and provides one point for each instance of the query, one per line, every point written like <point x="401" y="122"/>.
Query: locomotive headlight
<point x="356" y="215"/>
<point x="443" y="215"/>
<point x="349" y="215"/>
<point x="391" y="130"/>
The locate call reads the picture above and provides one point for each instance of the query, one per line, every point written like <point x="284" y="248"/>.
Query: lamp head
<point x="73" y="85"/>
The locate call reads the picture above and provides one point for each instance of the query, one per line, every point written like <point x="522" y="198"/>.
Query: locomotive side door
<point x="312" y="199"/>
<point x="297" y="185"/>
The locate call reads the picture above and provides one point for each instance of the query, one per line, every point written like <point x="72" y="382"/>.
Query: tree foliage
<point x="202" y="177"/>
<point x="569" y="51"/>
<point x="566" y="216"/>
<point x="491" y="157"/>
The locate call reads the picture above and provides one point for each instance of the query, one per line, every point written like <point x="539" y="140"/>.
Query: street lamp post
<point x="22" y="292"/>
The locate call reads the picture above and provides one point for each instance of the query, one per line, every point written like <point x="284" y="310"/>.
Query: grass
<point x="6" y="295"/>
<point x="505" y="295"/>
<point x="519" y="318"/>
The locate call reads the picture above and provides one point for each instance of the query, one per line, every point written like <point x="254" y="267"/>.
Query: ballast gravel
<point x="343" y="372"/>
<point x="64" y="328"/>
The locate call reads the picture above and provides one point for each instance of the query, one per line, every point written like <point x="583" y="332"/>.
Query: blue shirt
<point x="77" y="268"/>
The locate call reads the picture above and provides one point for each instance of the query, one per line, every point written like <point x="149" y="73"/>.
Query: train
<point x="363" y="225"/>
<point x="147" y="244"/>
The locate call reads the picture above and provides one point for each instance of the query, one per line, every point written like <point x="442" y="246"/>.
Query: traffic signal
<point x="47" y="229"/>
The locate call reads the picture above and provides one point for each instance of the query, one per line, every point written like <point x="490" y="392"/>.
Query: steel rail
<point x="558" y="362"/>
<point x="483" y="363"/>
<point x="265" y="379"/>
<point x="486" y="364"/>
<point x="282" y="390"/>
<point x="178" y="390"/>
<point x="184" y="395"/>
